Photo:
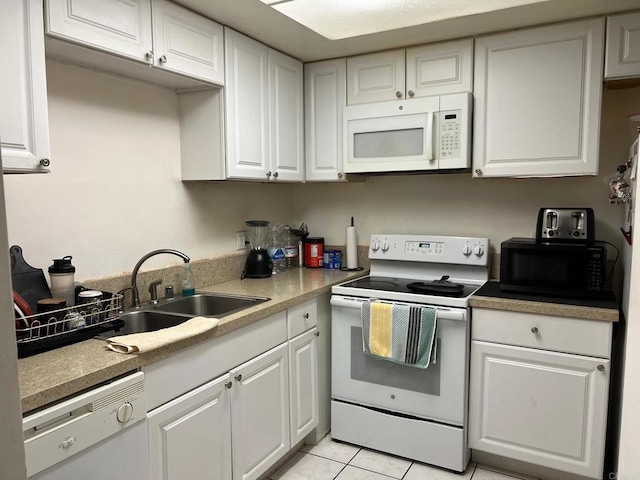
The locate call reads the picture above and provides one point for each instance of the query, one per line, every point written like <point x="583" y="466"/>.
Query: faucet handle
<point x="153" y="290"/>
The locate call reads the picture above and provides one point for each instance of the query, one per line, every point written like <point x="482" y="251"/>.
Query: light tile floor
<point x="331" y="460"/>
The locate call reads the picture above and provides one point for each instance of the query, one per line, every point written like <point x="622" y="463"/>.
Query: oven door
<point x="437" y="393"/>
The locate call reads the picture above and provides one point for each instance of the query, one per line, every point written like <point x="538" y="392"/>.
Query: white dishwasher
<point x="97" y="435"/>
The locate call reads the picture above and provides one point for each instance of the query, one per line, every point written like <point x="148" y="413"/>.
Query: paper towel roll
<point x="352" y="248"/>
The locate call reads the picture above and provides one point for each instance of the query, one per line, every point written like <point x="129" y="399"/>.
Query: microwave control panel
<point x="450" y="126"/>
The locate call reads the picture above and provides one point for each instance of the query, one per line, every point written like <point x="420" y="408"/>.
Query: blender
<point x="258" y="263"/>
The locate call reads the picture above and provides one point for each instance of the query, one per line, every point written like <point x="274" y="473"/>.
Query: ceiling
<point x="258" y="20"/>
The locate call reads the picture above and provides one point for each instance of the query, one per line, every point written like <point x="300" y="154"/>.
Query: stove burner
<point x="439" y="287"/>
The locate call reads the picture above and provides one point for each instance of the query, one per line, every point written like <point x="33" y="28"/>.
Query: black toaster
<point x="565" y="225"/>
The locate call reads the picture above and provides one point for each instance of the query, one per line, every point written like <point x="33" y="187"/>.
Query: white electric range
<point x="411" y="412"/>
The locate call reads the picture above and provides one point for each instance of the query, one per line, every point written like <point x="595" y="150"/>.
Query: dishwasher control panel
<point x="62" y="430"/>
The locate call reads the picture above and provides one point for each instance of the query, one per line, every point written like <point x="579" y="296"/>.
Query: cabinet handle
<point x="228" y="384"/>
<point x="411" y="93"/>
<point x="317" y="334"/>
<point x="268" y="173"/>
<point x="149" y="55"/>
<point x="478" y="171"/>
<point x="601" y="368"/>
<point x="306" y="316"/>
<point x="339" y="174"/>
<point x="399" y="94"/>
<point x="275" y="175"/>
<point x="45" y="162"/>
<point x="238" y="378"/>
<point x="163" y="59"/>
<point x="534" y="330"/>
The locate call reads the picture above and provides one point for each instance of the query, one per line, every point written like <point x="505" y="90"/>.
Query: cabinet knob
<point x="410" y="92"/>
<point x="317" y="334"/>
<point x="228" y="384"/>
<point x="163" y="59"/>
<point x="149" y="55"/>
<point x="534" y="330"/>
<point x="238" y="378"/>
<point x="601" y="368"/>
<point x="45" y="162"/>
<point x="306" y="316"/>
<point x="399" y="94"/>
<point x="339" y="174"/>
<point x="269" y="174"/>
<point x="275" y="175"/>
<point x="478" y="171"/>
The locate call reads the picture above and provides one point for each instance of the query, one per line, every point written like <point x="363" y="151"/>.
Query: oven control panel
<point x="430" y="248"/>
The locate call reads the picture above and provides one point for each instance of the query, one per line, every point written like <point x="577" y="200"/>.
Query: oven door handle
<point x="443" y="313"/>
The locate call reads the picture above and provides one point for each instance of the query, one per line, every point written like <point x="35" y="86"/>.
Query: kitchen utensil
<point x="29" y="282"/>
<point x="258" y="264"/>
<point x="441" y="287"/>
<point x="22" y="304"/>
<point x="62" y="274"/>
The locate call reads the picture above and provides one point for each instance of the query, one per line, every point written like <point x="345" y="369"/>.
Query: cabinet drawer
<point x="546" y="332"/>
<point x="301" y="318"/>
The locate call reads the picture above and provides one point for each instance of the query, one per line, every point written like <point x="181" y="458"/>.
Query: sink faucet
<point x="135" y="295"/>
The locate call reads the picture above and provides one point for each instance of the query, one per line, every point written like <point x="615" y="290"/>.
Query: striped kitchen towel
<point x="400" y="333"/>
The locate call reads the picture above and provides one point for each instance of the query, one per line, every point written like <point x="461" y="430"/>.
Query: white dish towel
<point x="143" y="342"/>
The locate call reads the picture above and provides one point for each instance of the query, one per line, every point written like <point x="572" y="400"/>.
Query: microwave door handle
<point x="429" y="135"/>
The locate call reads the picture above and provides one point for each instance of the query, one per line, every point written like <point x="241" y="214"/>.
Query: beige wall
<point x="114" y="192"/>
<point x="456" y="204"/>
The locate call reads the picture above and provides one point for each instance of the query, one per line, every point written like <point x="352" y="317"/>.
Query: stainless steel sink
<point x="138" y="321"/>
<point x="173" y="312"/>
<point x="208" y="304"/>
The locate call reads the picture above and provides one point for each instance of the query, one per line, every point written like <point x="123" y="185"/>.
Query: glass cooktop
<point x="406" y="285"/>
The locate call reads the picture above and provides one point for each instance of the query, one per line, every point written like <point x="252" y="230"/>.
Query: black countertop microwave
<point x="558" y="269"/>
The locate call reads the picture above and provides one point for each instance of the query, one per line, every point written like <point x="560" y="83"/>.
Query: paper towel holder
<point x="351" y="230"/>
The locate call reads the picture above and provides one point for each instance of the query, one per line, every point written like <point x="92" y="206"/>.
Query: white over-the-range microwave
<point x="418" y="134"/>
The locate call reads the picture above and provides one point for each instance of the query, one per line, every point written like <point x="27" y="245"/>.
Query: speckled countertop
<point x="53" y="375"/>
<point x="490" y="296"/>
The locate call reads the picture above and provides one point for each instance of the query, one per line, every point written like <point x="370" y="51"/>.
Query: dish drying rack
<point x="40" y="332"/>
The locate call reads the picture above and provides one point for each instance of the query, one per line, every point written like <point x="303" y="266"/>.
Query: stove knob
<point x="478" y="250"/>
<point x="466" y="250"/>
<point x="385" y="246"/>
<point x="375" y="246"/>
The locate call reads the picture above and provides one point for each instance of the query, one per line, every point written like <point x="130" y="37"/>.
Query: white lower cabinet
<point x="190" y="437"/>
<point x="303" y="389"/>
<point x="544" y="407"/>
<point x="260" y="413"/>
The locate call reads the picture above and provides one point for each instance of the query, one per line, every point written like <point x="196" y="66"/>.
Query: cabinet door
<point x="24" y="127"/>
<point x="190" y="437"/>
<point x="325" y="96"/>
<point x="623" y="46"/>
<point x="440" y="69"/>
<point x="121" y="27"/>
<point x="286" y="122"/>
<point x="375" y="77"/>
<point x="537" y="101"/>
<point x="247" y="101"/>
<point x="537" y="406"/>
<point x="303" y="374"/>
<point x="260" y="413"/>
<point x="187" y="43"/>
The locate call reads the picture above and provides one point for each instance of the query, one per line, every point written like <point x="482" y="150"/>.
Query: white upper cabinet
<point x="537" y="101"/>
<point x="286" y="117"/>
<point x="325" y="96"/>
<point x="187" y="43"/>
<point x="424" y="71"/>
<point x="122" y="27"/>
<point x="375" y="77"/>
<point x="24" y="128"/>
<point x="440" y="68"/>
<point x="152" y="32"/>
<point x="264" y="121"/>
<point x="623" y="46"/>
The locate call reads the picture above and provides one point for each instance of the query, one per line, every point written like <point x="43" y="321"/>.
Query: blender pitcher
<point x="258" y="264"/>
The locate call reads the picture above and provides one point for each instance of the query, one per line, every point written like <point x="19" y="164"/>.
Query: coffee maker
<point x="258" y="264"/>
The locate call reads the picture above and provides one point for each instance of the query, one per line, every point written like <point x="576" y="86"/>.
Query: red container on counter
<point x="313" y="252"/>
